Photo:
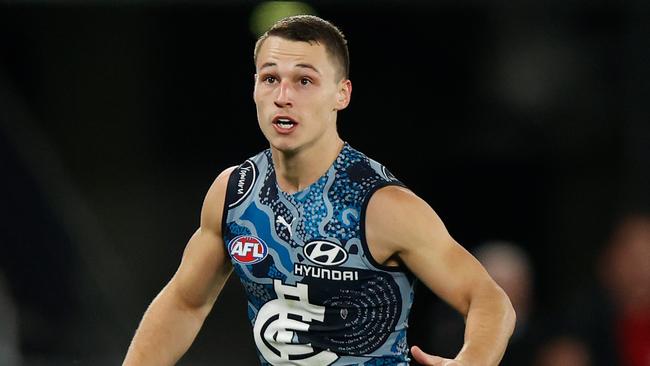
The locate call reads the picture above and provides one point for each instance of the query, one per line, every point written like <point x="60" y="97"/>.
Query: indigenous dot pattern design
<point x="365" y="306"/>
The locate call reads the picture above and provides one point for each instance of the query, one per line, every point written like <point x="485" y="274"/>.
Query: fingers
<point x="424" y="358"/>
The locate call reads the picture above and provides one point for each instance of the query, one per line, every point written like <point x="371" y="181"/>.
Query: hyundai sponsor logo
<point x="325" y="253"/>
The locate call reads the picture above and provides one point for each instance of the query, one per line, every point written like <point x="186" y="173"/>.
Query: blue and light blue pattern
<point x="301" y="307"/>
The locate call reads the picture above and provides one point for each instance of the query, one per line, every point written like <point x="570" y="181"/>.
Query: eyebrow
<point x="305" y="66"/>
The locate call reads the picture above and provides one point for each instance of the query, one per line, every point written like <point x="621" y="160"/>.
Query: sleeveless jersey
<point x="315" y="294"/>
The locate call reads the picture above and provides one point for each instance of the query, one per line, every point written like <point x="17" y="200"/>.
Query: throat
<point x="295" y="178"/>
<point x="296" y="172"/>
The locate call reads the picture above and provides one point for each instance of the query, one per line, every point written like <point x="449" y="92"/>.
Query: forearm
<point x="490" y="323"/>
<point x="166" y="331"/>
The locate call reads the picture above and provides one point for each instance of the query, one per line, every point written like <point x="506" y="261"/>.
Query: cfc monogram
<point x="279" y="319"/>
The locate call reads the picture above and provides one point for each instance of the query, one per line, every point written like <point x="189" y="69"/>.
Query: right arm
<point x="173" y="319"/>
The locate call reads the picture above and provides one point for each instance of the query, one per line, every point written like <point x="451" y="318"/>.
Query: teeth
<point x="285" y="123"/>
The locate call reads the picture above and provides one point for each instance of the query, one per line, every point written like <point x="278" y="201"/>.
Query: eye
<point x="269" y="79"/>
<point x="305" y="81"/>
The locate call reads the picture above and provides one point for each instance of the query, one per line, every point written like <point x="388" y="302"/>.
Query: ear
<point x="343" y="94"/>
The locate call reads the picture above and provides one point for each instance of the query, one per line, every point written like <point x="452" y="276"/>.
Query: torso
<point x="316" y="295"/>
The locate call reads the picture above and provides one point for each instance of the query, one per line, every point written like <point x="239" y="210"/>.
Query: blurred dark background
<point x="526" y="122"/>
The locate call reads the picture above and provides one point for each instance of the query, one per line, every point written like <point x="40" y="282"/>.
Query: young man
<point x="326" y="242"/>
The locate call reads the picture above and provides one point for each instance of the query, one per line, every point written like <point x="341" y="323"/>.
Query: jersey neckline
<point x="297" y="194"/>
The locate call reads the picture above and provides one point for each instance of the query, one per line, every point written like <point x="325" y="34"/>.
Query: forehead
<point x="280" y="52"/>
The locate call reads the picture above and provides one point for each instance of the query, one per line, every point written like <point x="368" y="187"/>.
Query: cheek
<point x="327" y="103"/>
<point x="260" y="105"/>
<point x="256" y="98"/>
<point x="260" y="95"/>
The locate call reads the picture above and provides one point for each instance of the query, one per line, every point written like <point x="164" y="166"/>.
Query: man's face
<point x="297" y="94"/>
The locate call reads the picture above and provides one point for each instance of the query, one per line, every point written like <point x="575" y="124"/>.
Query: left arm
<point x="400" y="224"/>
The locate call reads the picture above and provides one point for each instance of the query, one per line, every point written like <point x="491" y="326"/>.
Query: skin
<point x="173" y="319"/>
<point x="400" y="225"/>
<point x="300" y="81"/>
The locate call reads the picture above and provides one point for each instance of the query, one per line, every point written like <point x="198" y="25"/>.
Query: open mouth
<point x="284" y="123"/>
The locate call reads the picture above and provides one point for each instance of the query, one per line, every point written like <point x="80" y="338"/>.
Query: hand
<point x="431" y="360"/>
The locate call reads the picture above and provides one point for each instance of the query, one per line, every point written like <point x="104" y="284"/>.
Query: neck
<point x="296" y="170"/>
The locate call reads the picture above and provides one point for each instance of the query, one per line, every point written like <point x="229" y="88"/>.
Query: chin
<point x="286" y="147"/>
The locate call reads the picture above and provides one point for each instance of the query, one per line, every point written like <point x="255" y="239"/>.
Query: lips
<point x="284" y="124"/>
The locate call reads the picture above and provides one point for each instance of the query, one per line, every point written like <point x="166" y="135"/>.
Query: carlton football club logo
<point x="279" y="321"/>
<point x="248" y="249"/>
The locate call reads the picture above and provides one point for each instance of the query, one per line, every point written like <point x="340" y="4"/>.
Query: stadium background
<point x="524" y="122"/>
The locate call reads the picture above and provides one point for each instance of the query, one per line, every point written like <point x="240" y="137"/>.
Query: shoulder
<point x="393" y="201"/>
<point x="214" y="201"/>
<point x="232" y="183"/>
<point x="398" y="218"/>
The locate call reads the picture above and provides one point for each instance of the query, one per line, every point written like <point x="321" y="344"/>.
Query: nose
<point x="283" y="98"/>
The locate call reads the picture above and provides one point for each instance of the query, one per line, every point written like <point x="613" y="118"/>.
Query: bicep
<point x="414" y="232"/>
<point x="205" y="265"/>
<point x="203" y="271"/>
<point x="445" y="267"/>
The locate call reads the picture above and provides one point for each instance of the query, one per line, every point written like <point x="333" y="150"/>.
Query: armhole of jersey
<point x="232" y="183"/>
<point x="364" y="242"/>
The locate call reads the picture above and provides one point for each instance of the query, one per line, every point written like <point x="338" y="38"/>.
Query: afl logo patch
<point x="247" y="249"/>
<point x="325" y="253"/>
<point x="247" y="174"/>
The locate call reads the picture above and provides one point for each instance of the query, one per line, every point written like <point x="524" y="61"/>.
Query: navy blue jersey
<point x="315" y="294"/>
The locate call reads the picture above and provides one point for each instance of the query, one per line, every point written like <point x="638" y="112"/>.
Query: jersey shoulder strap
<point x="240" y="185"/>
